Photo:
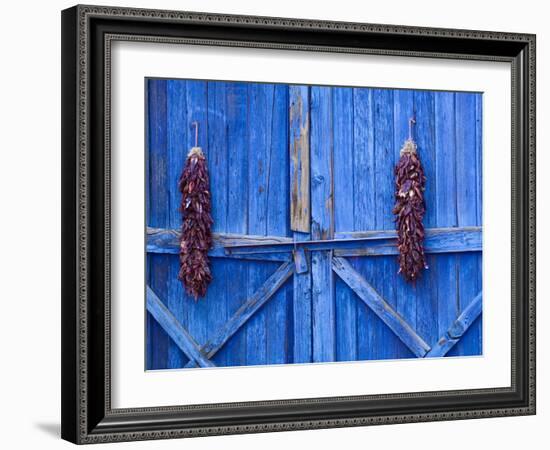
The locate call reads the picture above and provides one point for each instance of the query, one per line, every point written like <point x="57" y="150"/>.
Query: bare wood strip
<point x="300" y="213"/>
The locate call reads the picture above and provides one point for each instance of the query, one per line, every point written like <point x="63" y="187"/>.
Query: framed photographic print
<point x="281" y="224"/>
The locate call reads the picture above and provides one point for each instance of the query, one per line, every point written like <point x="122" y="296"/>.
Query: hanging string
<point x="410" y="145"/>
<point x="196" y="150"/>
<point x="412" y="121"/>
<point x="196" y="125"/>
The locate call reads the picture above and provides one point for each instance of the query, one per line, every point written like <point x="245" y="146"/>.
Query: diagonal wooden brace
<point x="174" y="329"/>
<point x="246" y="311"/>
<point x="457" y="329"/>
<point x="380" y="307"/>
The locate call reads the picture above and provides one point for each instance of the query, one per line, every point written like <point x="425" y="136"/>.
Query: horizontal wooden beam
<point x="380" y="307"/>
<point x="166" y="240"/>
<point x="357" y="243"/>
<point x="457" y="329"/>
<point x="175" y="330"/>
<point x="437" y="240"/>
<point x="371" y="243"/>
<point x="246" y="311"/>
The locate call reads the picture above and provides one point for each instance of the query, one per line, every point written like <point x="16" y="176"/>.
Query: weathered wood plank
<point x="346" y="304"/>
<point x="260" y="107"/>
<point x="166" y="240"/>
<point x="479" y="208"/>
<point x="157" y="213"/>
<point x="467" y="209"/>
<point x="426" y="286"/>
<point x="403" y="100"/>
<point x="364" y="191"/>
<point x="449" y="234"/>
<point x="149" y="321"/>
<point x="384" y="269"/>
<point x="300" y="212"/>
<point x="301" y="308"/>
<point x="247" y="310"/>
<point x="174" y="329"/>
<point x="466" y="159"/>
<point x="237" y="282"/>
<point x="445" y="266"/>
<point x="377" y="243"/>
<point x="467" y="317"/>
<point x="322" y="226"/>
<point x="217" y="159"/>
<point x="300" y="221"/>
<point x="278" y="223"/>
<point x="380" y="307"/>
<point x="237" y="210"/>
<point x="458" y="328"/>
<point x="365" y="243"/>
<point x="479" y="157"/>
<point x="300" y="260"/>
<point x="197" y="110"/>
<point x="178" y="128"/>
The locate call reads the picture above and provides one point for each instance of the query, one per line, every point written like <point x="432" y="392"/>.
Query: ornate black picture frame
<point x="87" y="34"/>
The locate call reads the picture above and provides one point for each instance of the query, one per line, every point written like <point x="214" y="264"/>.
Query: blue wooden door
<point x="304" y="260"/>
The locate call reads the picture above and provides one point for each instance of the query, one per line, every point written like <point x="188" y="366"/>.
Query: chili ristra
<point x="409" y="210"/>
<point x="196" y="234"/>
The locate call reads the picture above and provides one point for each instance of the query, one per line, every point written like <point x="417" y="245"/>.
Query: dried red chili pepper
<point x="409" y="210"/>
<point x="196" y="235"/>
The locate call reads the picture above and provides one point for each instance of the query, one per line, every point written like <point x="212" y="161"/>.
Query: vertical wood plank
<point x="260" y="106"/>
<point x="322" y="226"/>
<point x="364" y="188"/>
<point x="177" y="152"/>
<point x="217" y="153"/>
<point x="217" y="167"/>
<point x="149" y="320"/>
<point x="383" y="268"/>
<point x="299" y="173"/>
<point x="466" y="157"/>
<point x="479" y="202"/>
<point x="300" y="214"/>
<point x="427" y="305"/>
<point x="444" y="266"/>
<point x="405" y="292"/>
<point x="237" y="210"/>
<point x="277" y="331"/>
<point x="479" y="157"/>
<point x="467" y="197"/>
<point x="158" y="214"/>
<point x="346" y="303"/>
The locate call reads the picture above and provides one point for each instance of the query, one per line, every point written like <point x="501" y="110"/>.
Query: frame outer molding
<point x="76" y="218"/>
